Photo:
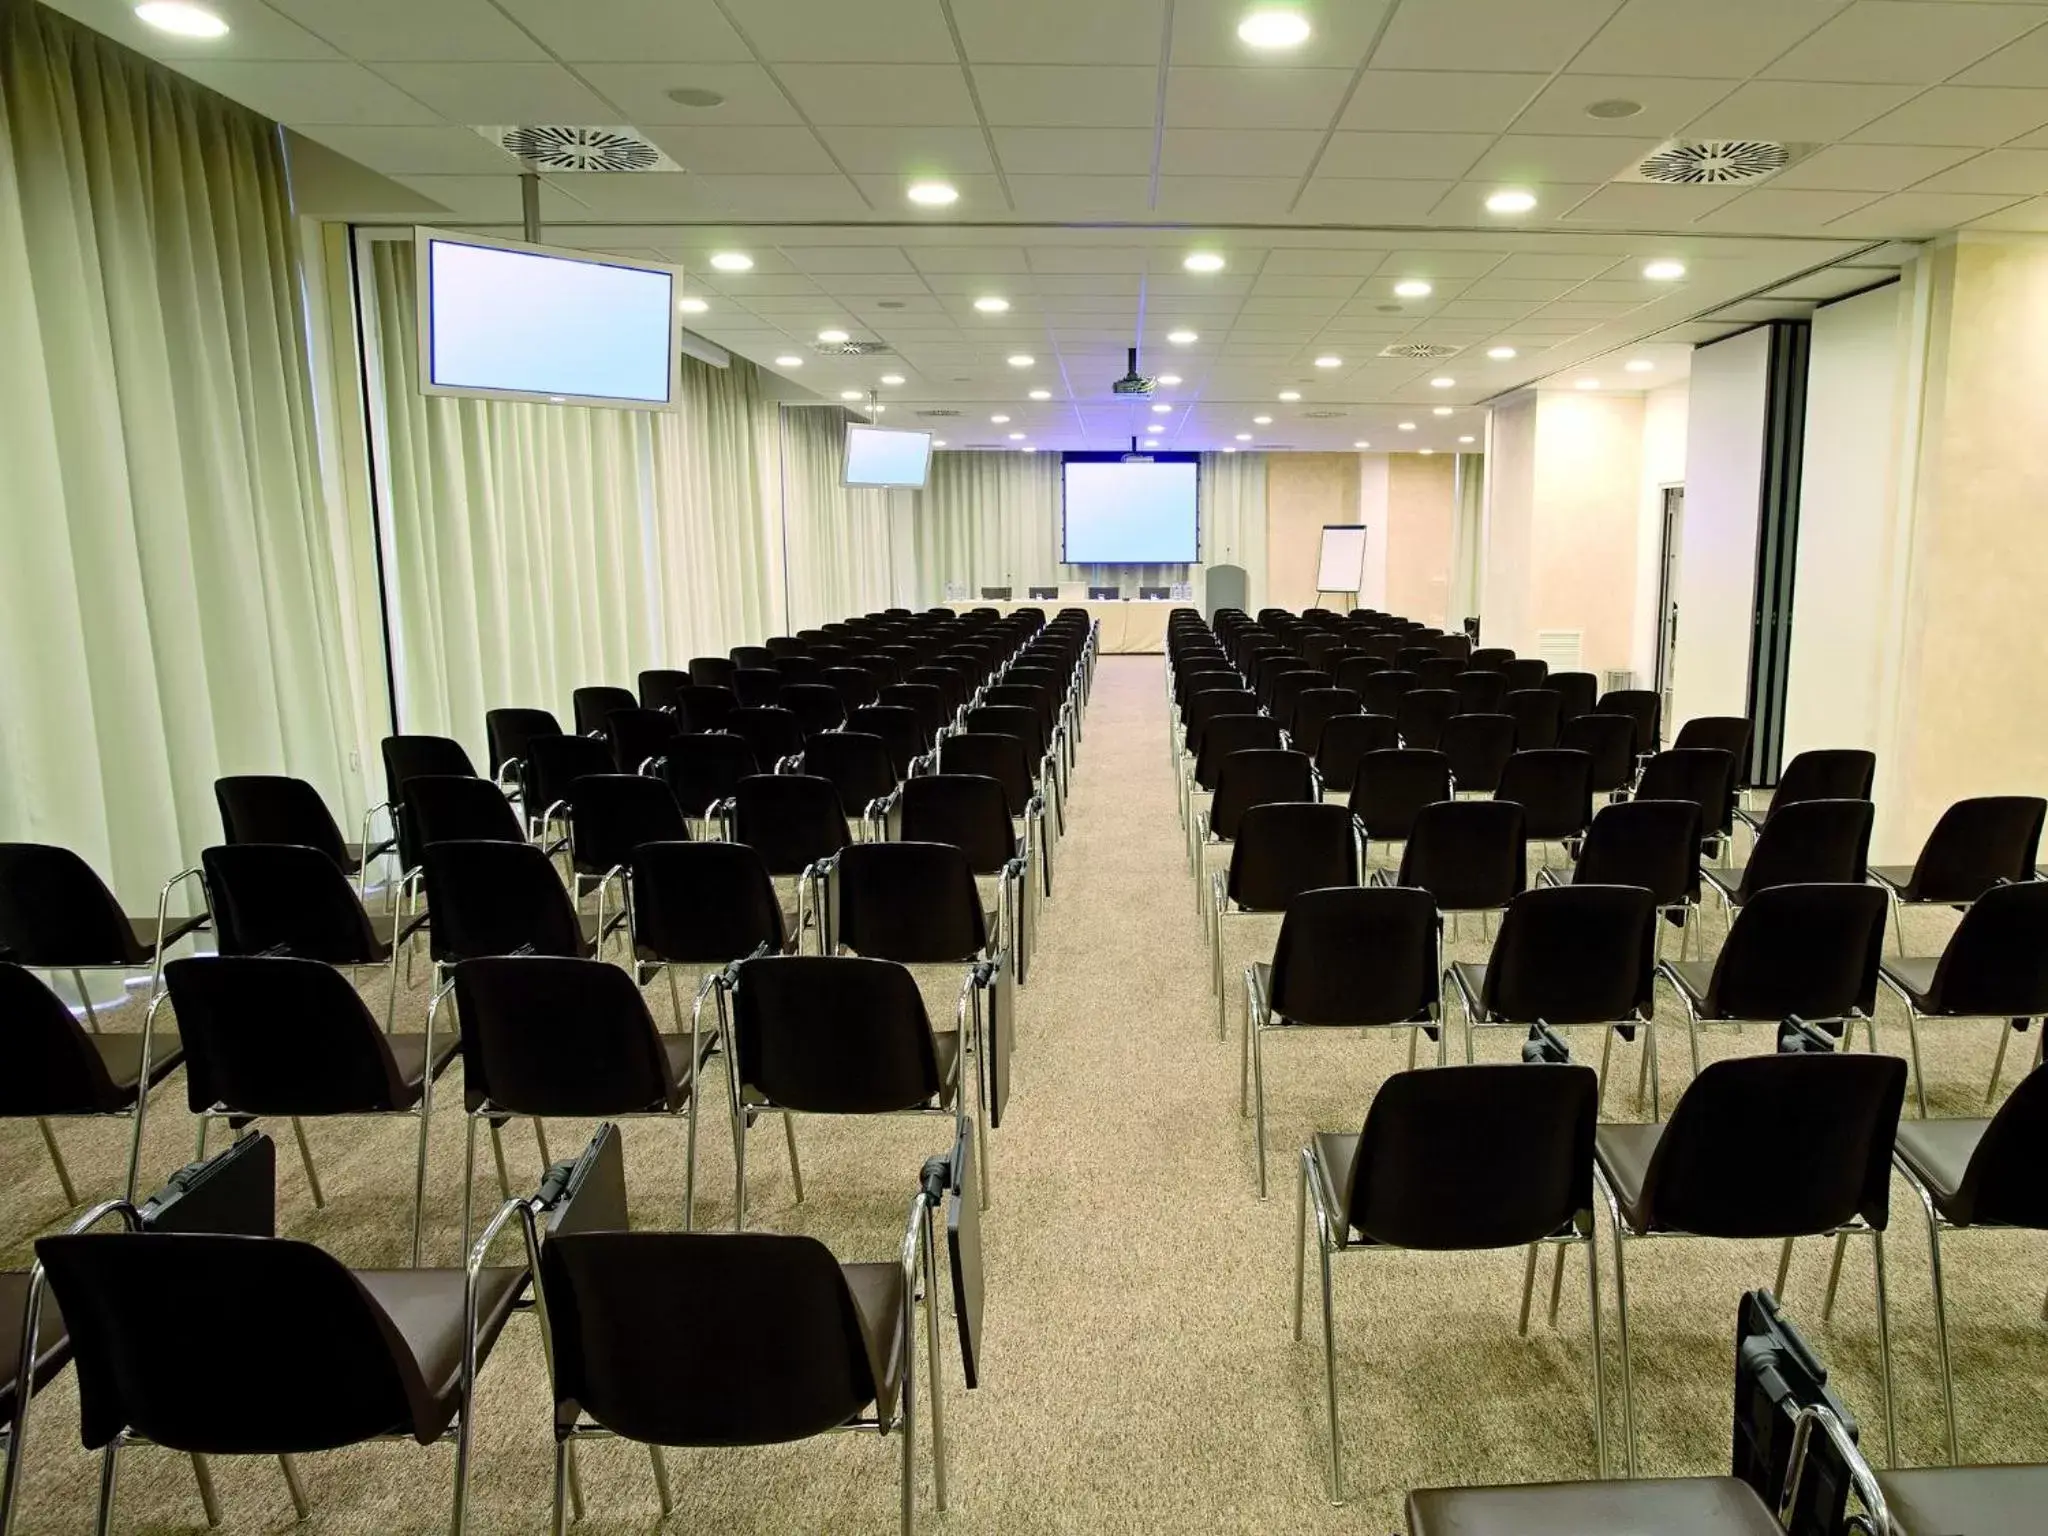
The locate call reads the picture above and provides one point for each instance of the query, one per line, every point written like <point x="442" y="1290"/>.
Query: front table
<point x="1134" y="628"/>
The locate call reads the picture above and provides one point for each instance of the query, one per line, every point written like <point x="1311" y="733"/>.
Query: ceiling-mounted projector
<point x="1134" y="382"/>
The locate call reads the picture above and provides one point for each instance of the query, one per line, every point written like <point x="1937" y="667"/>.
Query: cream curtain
<point x="168" y="604"/>
<point x="848" y="551"/>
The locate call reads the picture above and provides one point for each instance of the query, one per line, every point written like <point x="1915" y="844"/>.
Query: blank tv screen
<point x="517" y="322"/>
<point x="877" y="456"/>
<point x="1131" y="514"/>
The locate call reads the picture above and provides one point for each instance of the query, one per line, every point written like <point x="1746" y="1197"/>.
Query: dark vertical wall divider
<point x="1777" y="544"/>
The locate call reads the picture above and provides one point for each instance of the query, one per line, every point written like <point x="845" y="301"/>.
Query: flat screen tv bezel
<point x="1078" y="457"/>
<point x="883" y="485"/>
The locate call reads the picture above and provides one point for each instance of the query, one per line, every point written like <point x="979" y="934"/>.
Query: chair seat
<point x="1471" y="976"/>
<point x="1984" y="1501"/>
<point x="175" y="928"/>
<point x="122" y="1057"/>
<point x="53" y="1343"/>
<point x="1335" y="1153"/>
<point x="677" y="1049"/>
<point x="1684" y="1506"/>
<point x="425" y="1306"/>
<point x="1727" y="879"/>
<point x="1623" y="1153"/>
<point x="409" y="1053"/>
<point x="1692" y="977"/>
<point x="1912" y="975"/>
<point x="1939" y="1152"/>
<point x="1895" y="877"/>
<point x="389" y="928"/>
<point x="946" y="1046"/>
<point x="878" y="1298"/>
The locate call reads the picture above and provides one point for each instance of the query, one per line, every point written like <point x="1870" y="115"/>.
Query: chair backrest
<point x="1526" y="673"/>
<point x="1479" y="693"/>
<point x="1538" y="714"/>
<point x="1491" y="658"/>
<point x="772" y="732"/>
<point x="509" y="732"/>
<point x="271" y="1035"/>
<point x="1468" y="854"/>
<point x="288" y="899"/>
<point x="899" y="729"/>
<point x="1812" y="950"/>
<point x="1554" y="788"/>
<point x="554" y="763"/>
<point x="1703" y="775"/>
<point x="440" y="809"/>
<point x="1352" y="954"/>
<point x="636" y="735"/>
<point x="2003" y="1184"/>
<point x="1382" y="692"/>
<point x="1011" y="720"/>
<point x="712" y="671"/>
<point x="757" y="687"/>
<point x="1651" y="843"/>
<point x="543" y="1035"/>
<point x="1257" y="777"/>
<point x="1778" y="1146"/>
<point x="1284" y="848"/>
<point x="991" y="755"/>
<point x="316" y="1366"/>
<point x="834" y="1034"/>
<point x="706" y="708"/>
<point x="1996" y="962"/>
<point x="407" y="757"/>
<point x="52" y="1066"/>
<point x="498" y="899"/>
<point x="611" y="814"/>
<point x="1354" y="667"/>
<point x="1391" y="787"/>
<point x="1439" y="672"/>
<point x="1574" y="954"/>
<point x="1478" y="747"/>
<point x="856" y="762"/>
<point x="1728" y="733"/>
<point x="791" y="819"/>
<point x="1609" y="740"/>
<point x="969" y="810"/>
<point x="752" y="657"/>
<point x="929" y="705"/>
<point x="626" y="1327"/>
<point x="1206" y="707"/>
<point x="1484" y="1157"/>
<point x="662" y="688"/>
<point x="1811" y="842"/>
<point x="1824" y="773"/>
<point x="55" y="913"/>
<point x="702" y="903"/>
<point x="855" y="688"/>
<point x="594" y="705"/>
<point x="1579" y="691"/>
<point x="1228" y="734"/>
<point x="914" y="903"/>
<point x="1314" y="708"/>
<point x="270" y="808"/>
<point x="1421" y="715"/>
<point x="702" y="770"/>
<point x="1644" y="706"/>
<point x="817" y="706"/>
<point x="1977" y="843"/>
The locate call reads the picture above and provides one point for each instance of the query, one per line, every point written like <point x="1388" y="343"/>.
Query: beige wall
<point x="1420" y="495"/>
<point x="1303" y="492"/>
<point x="1510" y="509"/>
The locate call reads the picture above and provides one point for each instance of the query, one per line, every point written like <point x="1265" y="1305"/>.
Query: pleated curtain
<point x="849" y="551"/>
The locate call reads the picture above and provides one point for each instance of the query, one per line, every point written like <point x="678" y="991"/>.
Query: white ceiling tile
<point x="888" y="95"/>
<point x="1082" y="197"/>
<point x="1776" y="210"/>
<point x="1727" y="39"/>
<point x="1806" y="112"/>
<point x="2038" y="139"/>
<point x="984" y="260"/>
<point x="1534" y="289"/>
<point x="1490" y="34"/>
<point x="1359" y="200"/>
<point x="649" y="196"/>
<point x="1394" y="156"/>
<point x="925" y="151"/>
<point x="744" y="151"/>
<point x="1437" y="264"/>
<point x="1642" y="205"/>
<point x="1485" y="309"/>
<point x="1075" y="151"/>
<point x="375" y="30"/>
<point x="1960" y="114"/>
<point x="1238" y="151"/>
<point x="1339" y="285"/>
<point x="778" y="197"/>
<point x="1668" y="105"/>
<point x="1226" y="197"/>
<point x="1205" y="32"/>
<point x="754" y="284"/>
<point x="828" y="261"/>
<point x="641" y="92"/>
<point x="2013" y="171"/>
<point x="1259" y="310"/>
<point x="1867" y="167"/>
<point x="869" y="32"/>
<point x="1465" y="204"/>
<point x="1069" y="288"/>
<point x="1918" y="213"/>
<point x="1906" y="41"/>
<point x="1439" y="101"/>
<point x="1272" y="97"/>
<point x="1585" y="309"/>
<point x="493" y="197"/>
<point x="446" y="151"/>
<point x="1133" y="259"/>
<point x="1061" y="31"/>
<point x="1345" y="263"/>
<point x="2030" y="216"/>
<point x="594" y="31"/>
<point x="308" y="93"/>
<point x="501" y="93"/>
<point x="1556" y="157"/>
<point x="257" y="32"/>
<point x="1047" y="96"/>
<point x="981" y="197"/>
<point x="1553" y="264"/>
<point x="2022" y="63"/>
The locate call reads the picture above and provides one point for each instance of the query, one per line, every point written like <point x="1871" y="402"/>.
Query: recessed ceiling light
<point x="1413" y="288"/>
<point x="938" y="442"/>
<point x="1500" y="354"/>
<point x="1041" y="394"/>
<point x="1440" y="410"/>
<point x="1169" y="379"/>
<point x="1151" y="442"/>
<point x="1244" y="437"/>
<point x="1273" y="28"/>
<point x="789" y="360"/>
<point x="932" y="194"/>
<point x="1161" y="409"/>
<point x="1021" y="359"/>
<point x="1442" y="381"/>
<point x="1613" y="107"/>
<point x="849" y="394"/>
<point x="892" y="378"/>
<point x="692" y="306"/>
<point x="1664" y="271"/>
<point x="732" y="261"/>
<point x="999" y="420"/>
<point x="1468" y="439"/>
<point x="1203" y="261"/>
<point x="1425" y="452"/>
<point x="1290" y="394"/>
<point x="180" y="19"/>
<point x="1228" y="448"/>
<point x="1029" y="448"/>
<point x="1016" y="437"/>
<point x="1262" y="421"/>
<point x="1182" y="338"/>
<point x="989" y="304"/>
<point x="1511" y="200"/>
<point x="833" y="338"/>
<point x="1587" y="384"/>
<point x="1329" y="360"/>
<point x="1407" y="426"/>
<point x="1361" y="443"/>
<point x="1639" y="365"/>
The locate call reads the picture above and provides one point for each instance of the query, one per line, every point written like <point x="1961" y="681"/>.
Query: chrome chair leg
<point x="1258" y="1091"/>
<point x="908" y="1427"/>
<point x="661" y="1480"/>
<point x="57" y="1158"/>
<point x="1913" y="1045"/>
<point x="1948" y="1379"/>
<point x="110" y="1466"/>
<point x="1628" y="1391"/>
<point x="1884" y="1351"/>
<point x="540" y="1137"/>
<point x="1301" y="1241"/>
<point x="1599" y="1349"/>
<point x="294" y="1487"/>
<point x="1330" y="1367"/>
<point x="1528" y="1289"/>
<point x="92" y="1017"/>
<point x="498" y="1153"/>
<point x="1784" y="1268"/>
<point x="935" y="1382"/>
<point x="796" y="1172"/>
<point x="1557" y="1283"/>
<point x="1998" y="1063"/>
<point x="209" y="1501"/>
<point x="306" y="1157"/>
<point x="1827" y="1310"/>
<point x="561" y="1487"/>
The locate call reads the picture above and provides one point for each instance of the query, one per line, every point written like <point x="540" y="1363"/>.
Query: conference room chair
<point x="1580" y="691"/>
<point x="1281" y="849"/>
<point x="1976" y="844"/>
<point x="900" y="731"/>
<point x="441" y="808"/>
<point x="1554" y="788"/>
<point x="662" y="688"/>
<point x="1725" y="733"/>
<point x="1822" y="773"/>
<point x="1042" y="702"/>
<point x="1318" y="648"/>
<point x="1028" y="726"/>
<point x="592" y="706"/>
<point x="1255" y="776"/>
<point x="55" y="1069"/>
<point x="1812" y="950"/>
<point x="408" y="757"/>
<point x="1411" y="658"/>
<point x="972" y="813"/>
<point x="1289" y="687"/>
<point x="756" y="658"/>
<point x="783" y="646"/>
<point x="1994" y="968"/>
<point x="1209" y="702"/>
<point x="757" y="687"/>
<point x="1478" y="747"/>
<point x="1538" y="714"/>
<point x="333" y="1357"/>
<point x="1223" y="736"/>
<point x="1313" y="709"/>
<point x="490" y="898"/>
<point x="1380" y="646"/>
<point x="799" y="670"/>
<point x="702" y="905"/>
<point x="951" y="681"/>
<point x="775" y="736"/>
<point x="1343" y="743"/>
<point x="837" y="1035"/>
<point x="1570" y="956"/>
<point x="816" y="706"/>
<point x="552" y="764"/>
<point x="1654" y="844"/>
<point x="1004" y="759"/>
<point x="1389" y="789"/>
<point x="271" y="808"/>
<point x="1526" y="673"/>
<point x="638" y="736"/>
<point x="1703" y="775"/>
<point x="794" y="821"/>
<point x="712" y="671"/>
<point x="1479" y="693"/>
<point x="856" y="689"/>
<point x="1491" y="658"/>
<point x="703" y="708"/>
<point x="57" y="915"/>
<point x="1457" y="647"/>
<point x="1439" y="672"/>
<point x="1421" y="714"/>
<point x="1758" y="1147"/>
<point x="859" y="765"/>
<point x="508" y="734"/>
<point x="1609" y="740"/>
<point x="1382" y="692"/>
<point x="1469" y="854"/>
<point x="1480" y="1158"/>
<point x="1645" y="706"/>
<point x="1812" y="842"/>
<point x="1348" y="957"/>
<point x="1355" y="667"/>
<point x="826" y="653"/>
<point x="609" y="815"/>
<point x="275" y="1035"/>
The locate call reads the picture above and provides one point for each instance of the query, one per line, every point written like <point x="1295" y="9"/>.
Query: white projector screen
<point x="504" y="321"/>
<point x="878" y="456"/>
<point x="1341" y="567"/>
<point x="1143" y="513"/>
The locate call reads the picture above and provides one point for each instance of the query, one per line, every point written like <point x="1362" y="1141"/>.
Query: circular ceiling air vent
<point x="1713" y="162"/>
<point x="937" y="412"/>
<point x="853" y="349"/>
<point x="1419" y="349"/>
<point x="1322" y="415"/>
<point x="553" y="147"/>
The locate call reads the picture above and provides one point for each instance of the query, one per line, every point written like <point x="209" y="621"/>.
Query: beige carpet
<point x="1140" y="1373"/>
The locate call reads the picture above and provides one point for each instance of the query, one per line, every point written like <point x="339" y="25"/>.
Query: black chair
<point x="1609" y="740"/>
<point x="1421" y="716"/>
<point x="900" y="732"/>
<point x="1812" y="842"/>
<point x="860" y="767"/>
<point x="1383" y="691"/>
<point x="1554" y="788"/>
<point x="1995" y="967"/>
<point x="1726" y="733"/>
<point x="56" y="915"/>
<point x="703" y="771"/>
<point x="1491" y="658"/>
<point x="817" y="707"/>
<point x="441" y="808"/>
<point x="274" y="1035"/>
<point x="1439" y="672"/>
<point x="700" y="904"/>
<point x="1348" y="957"/>
<point x="1208" y="705"/>
<point x="1480" y="1158"/>
<point x="794" y="821"/>
<point x="1579" y="691"/>
<point x="1410" y="658"/>
<point x="1469" y="854"/>
<point x="664" y="688"/>
<point x="782" y="647"/>
<point x="1354" y="668"/>
<point x="856" y="689"/>
<point x="1344" y="741"/>
<point x="507" y="733"/>
<point x="499" y="898"/>
<point x="752" y="658"/>
<point x="611" y="814"/>
<point x="410" y="757"/>
<point x="1824" y="773"/>
<point x="593" y="706"/>
<point x="1314" y="708"/>
<point x="1003" y="758"/>
<point x="1479" y="693"/>
<point x="1257" y="776"/>
<point x="929" y="705"/>
<point x="706" y="709"/>
<point x="758" y="687"/>
<point x="1527" y="674"/>
<point x="1812" y="950"/>
<point x="1654" y="844"/>
<point x="1645" y="707"/>
<point x="1538" y="714"/>
<point x="1390" y="789"/>
<point x="1223" y="736"/>
<point x="1280" y="849"/>
<point x="639" y="736"/>
<point x="972" y="812"/>
<point x="1976" y="844"/>
<point x="56" y="1070"/>
<point x="551" y="766"/>
<point x="775" y="735"/>
<point x="1703" y="775"/>
<point x="1760" y="1147"/>
<point x="1478" y="747"/>
<point x="712" y="671"/>
<point x="269" y="808"/>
